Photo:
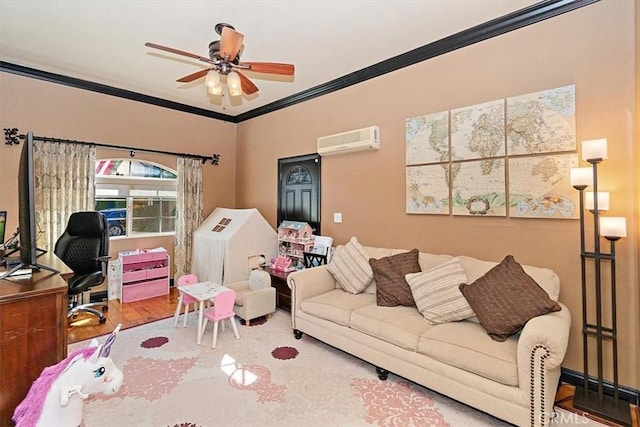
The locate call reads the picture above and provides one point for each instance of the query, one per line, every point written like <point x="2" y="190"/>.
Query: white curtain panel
<point x="64" y="176"/>
<point x="189" y="212"/>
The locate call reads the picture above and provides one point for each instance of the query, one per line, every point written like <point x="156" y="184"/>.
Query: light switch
<point x="337" y="217"/>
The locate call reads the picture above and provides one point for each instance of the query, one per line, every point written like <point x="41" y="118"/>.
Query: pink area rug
<point x="266" y="378"/>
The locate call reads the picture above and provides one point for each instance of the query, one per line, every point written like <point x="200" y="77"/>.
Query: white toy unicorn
<point x="56" y="398"/>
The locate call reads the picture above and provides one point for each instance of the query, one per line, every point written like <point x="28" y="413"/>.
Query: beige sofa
<point x="514" y="380"/>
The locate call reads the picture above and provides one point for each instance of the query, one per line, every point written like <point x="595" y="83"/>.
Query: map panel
<point x="542" y="122"/>
<point x="540" y="187"/>
<point x="427" y="139"/>
<point x="478" y="131"/>
<point x="428" y="189"/>
<point x="478" y="188"/>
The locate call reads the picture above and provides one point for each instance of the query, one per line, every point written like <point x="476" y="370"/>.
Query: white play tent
<point x="223" y="243"/>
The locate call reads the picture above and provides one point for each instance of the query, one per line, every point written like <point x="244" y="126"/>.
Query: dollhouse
<point x="295" y="238"/>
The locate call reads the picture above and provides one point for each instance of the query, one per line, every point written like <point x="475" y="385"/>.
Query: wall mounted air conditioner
<point x="348" y="142"/>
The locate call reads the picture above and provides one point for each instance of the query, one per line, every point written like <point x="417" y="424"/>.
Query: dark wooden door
<point x="299" y="190"/>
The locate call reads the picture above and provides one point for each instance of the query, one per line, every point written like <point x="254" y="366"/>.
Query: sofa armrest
<point x="541" y="349"/>
<point x="308" y="283"/>
<point x="550" y="331"/>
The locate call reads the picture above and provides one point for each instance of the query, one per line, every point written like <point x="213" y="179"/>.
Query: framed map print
<point x="542" y="122"/>
<point x="428" y="189"/>
<point x="540" y="187"/>
<point x="478" y="131"/>
<point x="427" y="139"/>
<point x="478" y="188"/>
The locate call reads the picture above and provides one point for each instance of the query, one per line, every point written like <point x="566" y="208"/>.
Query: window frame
<point x="131" y="188"/>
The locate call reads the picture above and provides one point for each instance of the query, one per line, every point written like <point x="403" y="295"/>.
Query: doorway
<point x="299" y="190"/>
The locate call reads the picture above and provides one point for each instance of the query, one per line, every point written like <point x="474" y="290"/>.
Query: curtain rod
<point x="12" y="137"/>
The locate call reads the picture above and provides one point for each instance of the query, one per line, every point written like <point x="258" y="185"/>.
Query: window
<point x="299" y="175"/>
<point x="137" y="197"/>
<point x="221" y="225"/>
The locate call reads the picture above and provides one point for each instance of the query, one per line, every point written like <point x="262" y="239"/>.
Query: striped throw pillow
<point x="350" y="267"/>
<point x="437" y="295"/>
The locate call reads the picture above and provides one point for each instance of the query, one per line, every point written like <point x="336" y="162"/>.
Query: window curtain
<point x="64" y="183"/>
<point x="189" y="212"/>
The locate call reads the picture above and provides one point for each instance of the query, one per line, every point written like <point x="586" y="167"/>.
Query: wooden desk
<point x="33" y="331"/>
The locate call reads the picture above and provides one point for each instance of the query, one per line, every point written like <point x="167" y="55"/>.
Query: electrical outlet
<point x="337" y="217"/>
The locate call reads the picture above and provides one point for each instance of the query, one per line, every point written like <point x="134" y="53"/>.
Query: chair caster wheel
<point x="103" y="319"/>
<point x="105" y="308"/>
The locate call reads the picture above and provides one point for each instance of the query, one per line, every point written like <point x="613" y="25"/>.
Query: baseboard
<point x="628" y="394"/>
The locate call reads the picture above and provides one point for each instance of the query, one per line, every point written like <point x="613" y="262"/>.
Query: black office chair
<point x="84" y="248"/>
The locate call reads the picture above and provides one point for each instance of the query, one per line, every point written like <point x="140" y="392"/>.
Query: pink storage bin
<point x="151" y="256"/>
<point x="145" y="290"/>
<point x="158" y="272"/>
<point x="134" y="276"/>
<point x="129" y="259"/>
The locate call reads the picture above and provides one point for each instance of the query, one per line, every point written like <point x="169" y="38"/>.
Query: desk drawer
<point x="145" y="290"/>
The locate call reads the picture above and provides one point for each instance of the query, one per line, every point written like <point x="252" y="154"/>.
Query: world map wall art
<point x="510" y="157"/>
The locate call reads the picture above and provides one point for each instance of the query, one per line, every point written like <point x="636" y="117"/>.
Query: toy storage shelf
<point x="143" y="275"/>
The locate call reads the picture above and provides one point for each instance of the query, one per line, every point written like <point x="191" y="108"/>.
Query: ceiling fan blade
<point x="194" y="76"/>
<point x="177" y="52"/>
<point x="270" y="68"/>
<point x="247" y="85"/>
<point x="230" y="43"/>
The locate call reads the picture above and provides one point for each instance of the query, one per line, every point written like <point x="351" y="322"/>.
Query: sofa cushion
<point x="336" y="305"/>
<point x="401" y="326"/>
<point x="350" y="267"/>
<point x="389" y="272"/>
<point x="506" y="298"/>
<point x="465" y="345"/>
<point x="437" y="294"/>
<point x="427" y="260"/>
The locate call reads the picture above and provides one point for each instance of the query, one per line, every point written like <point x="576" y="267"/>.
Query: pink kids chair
<point x="222" y="309"/>
<point x="187" y="300"/>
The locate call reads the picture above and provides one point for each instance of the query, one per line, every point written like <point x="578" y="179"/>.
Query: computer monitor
<point x="3" y="225"/>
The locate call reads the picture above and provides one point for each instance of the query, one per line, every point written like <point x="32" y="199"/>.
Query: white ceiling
<point x="103" y="41"/>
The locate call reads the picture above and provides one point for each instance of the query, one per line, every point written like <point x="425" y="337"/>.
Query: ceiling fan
<point x="224" y="60"/>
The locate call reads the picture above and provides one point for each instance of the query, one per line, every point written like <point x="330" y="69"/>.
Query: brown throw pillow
<point x="392" y="288"/>
<point x="506" y="298"/>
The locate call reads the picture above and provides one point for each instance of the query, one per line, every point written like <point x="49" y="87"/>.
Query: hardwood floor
<point x="86" y="326"/>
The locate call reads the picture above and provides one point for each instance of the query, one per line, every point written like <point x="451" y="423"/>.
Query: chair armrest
<point x="253" y="297"/>
<point x="238" y="286"/>
<point x="258" y="303"/>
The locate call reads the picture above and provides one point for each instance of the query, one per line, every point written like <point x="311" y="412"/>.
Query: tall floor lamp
<point x="612" y="229"/>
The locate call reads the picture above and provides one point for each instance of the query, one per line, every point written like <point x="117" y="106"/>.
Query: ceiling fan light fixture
<point x="215" y="90"/>
<point x="233" y="82"/>
<point x="212" y="79"/>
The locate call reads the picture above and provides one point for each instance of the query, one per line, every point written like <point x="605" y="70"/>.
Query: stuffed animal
<point x="57" y="397"/>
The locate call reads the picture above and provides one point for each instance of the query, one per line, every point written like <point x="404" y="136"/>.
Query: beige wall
<point x="592" y="48"/>
<point x="63" y="112"/>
